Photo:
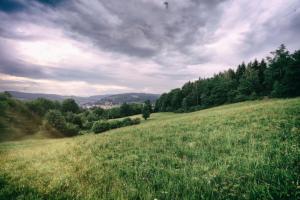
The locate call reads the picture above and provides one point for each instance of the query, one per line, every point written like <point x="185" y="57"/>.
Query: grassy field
<point x="247" y="150"/>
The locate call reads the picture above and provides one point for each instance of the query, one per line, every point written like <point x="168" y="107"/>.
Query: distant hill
<point x="115" y="99"/>
<point x="31" y="96"/>
<point x="128" y="98"/>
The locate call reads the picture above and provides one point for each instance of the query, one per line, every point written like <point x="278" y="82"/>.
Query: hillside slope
<point x="20" y="123"/>
<point x="247" y="150"/>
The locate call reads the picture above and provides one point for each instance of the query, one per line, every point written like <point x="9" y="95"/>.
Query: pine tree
<point x="147" y="109"/>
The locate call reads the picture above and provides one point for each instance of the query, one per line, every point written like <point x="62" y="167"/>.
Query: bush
<point x="87" y="125"/>
<point x="146" y="112"/>
<point x="127" y="121"/>
<point x="116" y="124"/>
<point x="56" y="119"/>
<point x="74" y="119"/>
<point x="100" y="126"/>
<point x="136" y="121"/>
<point x="91" y="117"/>
<point x="71" y="129"/>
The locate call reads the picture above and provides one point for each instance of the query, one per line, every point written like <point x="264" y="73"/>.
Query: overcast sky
<point x="88" y="47"/>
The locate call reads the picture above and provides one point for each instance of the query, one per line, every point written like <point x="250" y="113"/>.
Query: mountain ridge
<point x="114" y="99"/>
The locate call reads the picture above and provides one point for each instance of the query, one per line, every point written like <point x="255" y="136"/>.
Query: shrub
<point x="91" y="117"/>
<point x="56" y="119"/>
<point x="127" y="121"/>
<point x="87" y="125"/>
<point x="100" y="126"/>
<point x="146" y="111"/>
<point x="74" y="119"/>
<point x="98" y="112"/>
<point x="115" y="124"/>
<point x="71" y="129"/>
<point x="136" y="121"/>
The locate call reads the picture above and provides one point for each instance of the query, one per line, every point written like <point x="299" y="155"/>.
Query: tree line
<point x="69" y="119"/>
<point x="275" y="76"/>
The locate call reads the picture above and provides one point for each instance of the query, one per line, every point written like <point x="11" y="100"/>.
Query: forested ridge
<point x="275" y="76"/>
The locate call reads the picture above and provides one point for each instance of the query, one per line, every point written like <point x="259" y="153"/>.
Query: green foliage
<point x="249" y="83"/>
<point x="103" y="125"/>
<point x="116" y="124"/>
<point x="71" y="129"/>
<point x="91" y="117"/>
<point x="41" y="106"/>
<point x="125" y="109"/>
<point x="146" y="113"/>
<point x="100" y="126"/>
<point x="18" y="122"/>
<point x="126" y="121"/>
<point x="135" y="121"/>
<point x="56" y="119"/>
<point x="99" y="112"/>
<point x="279" y="77"/>
<point x="147" y="109"/>
<point x="113" y="113"/>
<point x="87" y="125"/>
<point x="74" y="119"/>
<point x="69" y="105"/>
<point x="3" y="106"/>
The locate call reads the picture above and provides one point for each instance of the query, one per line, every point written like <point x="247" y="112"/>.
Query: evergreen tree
<point x="291" y="79"/>
<point x="147" y="108"/>
<point x="249" y="84"/>
<point x="276" y="71"/>
<point x="240" y="71"/>
<point x="261" y="77"/>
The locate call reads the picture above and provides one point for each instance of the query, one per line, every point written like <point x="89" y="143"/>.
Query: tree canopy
<point x="69" y="105"/>
<point x="276" y="76"/>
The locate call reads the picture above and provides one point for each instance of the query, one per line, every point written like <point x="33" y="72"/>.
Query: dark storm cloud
<point x="138" y="28"/>
<point x="140" y="44"/>
<point x="52" y="2"/>
<point x="11" y="6"/>
<point x="135" y="28"/>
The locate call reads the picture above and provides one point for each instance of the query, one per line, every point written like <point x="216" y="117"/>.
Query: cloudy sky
<point x="88" y="47"/>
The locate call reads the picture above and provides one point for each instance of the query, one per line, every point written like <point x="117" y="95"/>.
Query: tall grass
<point x="241" y="151"/>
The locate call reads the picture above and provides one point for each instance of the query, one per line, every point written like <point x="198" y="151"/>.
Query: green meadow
<point x="248" y="150"/>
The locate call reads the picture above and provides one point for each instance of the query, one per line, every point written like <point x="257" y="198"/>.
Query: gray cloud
<point x="162" y="47"/>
